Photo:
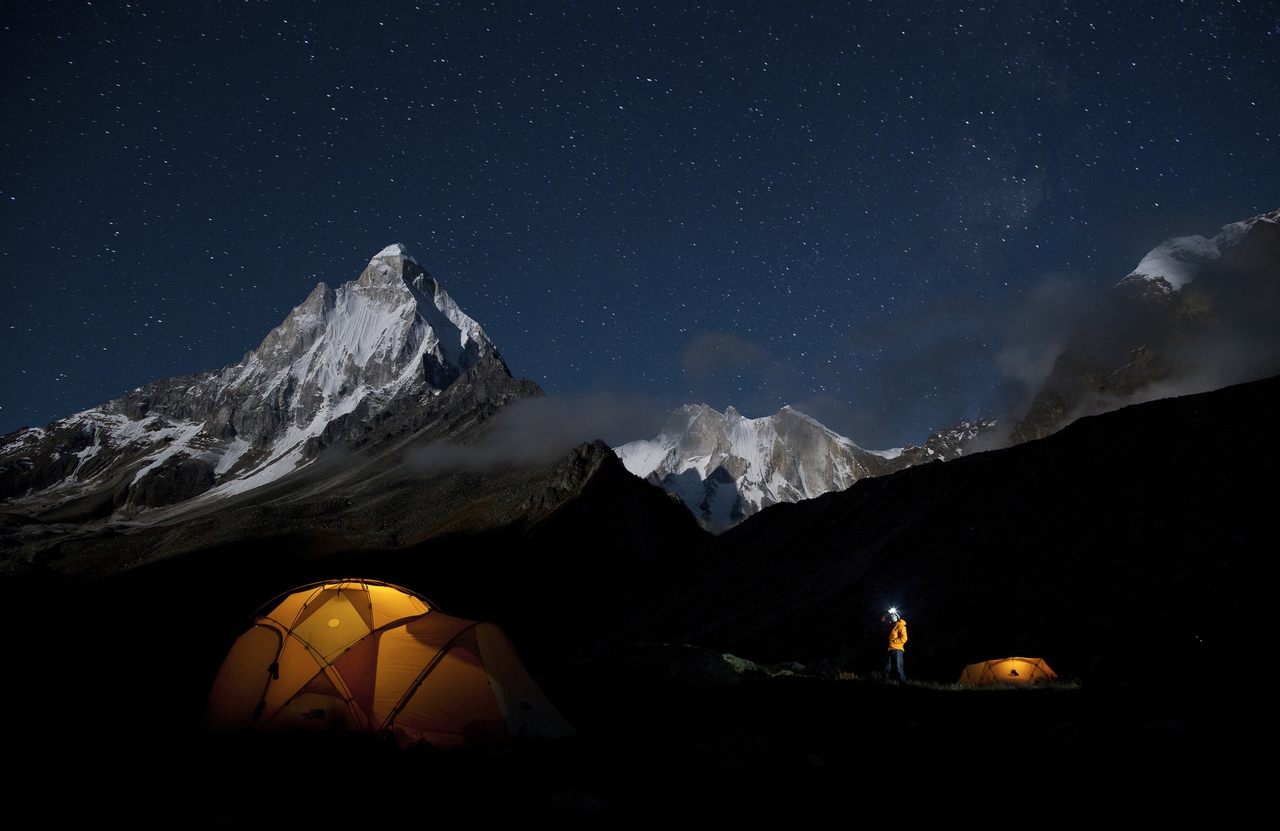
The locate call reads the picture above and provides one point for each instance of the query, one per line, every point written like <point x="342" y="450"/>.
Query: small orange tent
<point x="370" y="657"/>
<point x="1007" y="671"/>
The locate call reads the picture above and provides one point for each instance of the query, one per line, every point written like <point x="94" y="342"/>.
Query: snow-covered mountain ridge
<point x="1179" y="260"/>
<point x="344" y="356"/>
<point x="726" y="467"/>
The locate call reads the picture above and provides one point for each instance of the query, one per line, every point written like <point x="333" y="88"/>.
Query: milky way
<point x="840" y="206"/>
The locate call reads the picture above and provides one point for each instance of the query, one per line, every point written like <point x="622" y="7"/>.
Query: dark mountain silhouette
<point x="1131" y="542"/>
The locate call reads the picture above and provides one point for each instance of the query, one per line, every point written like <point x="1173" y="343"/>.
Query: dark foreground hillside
<point x="1132" y="551"/>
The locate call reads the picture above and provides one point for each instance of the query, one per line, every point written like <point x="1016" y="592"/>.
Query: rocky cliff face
<point x="1196" y="314"/>
<point x="386" y="346"/>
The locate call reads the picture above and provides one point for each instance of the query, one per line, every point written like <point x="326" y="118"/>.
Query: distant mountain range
<point x="725" y="467"/>
<point x="388" y="363"/>
<point x="389" y="354"/>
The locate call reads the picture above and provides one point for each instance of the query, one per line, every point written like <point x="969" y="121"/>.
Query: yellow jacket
<point x="898" y="635"/>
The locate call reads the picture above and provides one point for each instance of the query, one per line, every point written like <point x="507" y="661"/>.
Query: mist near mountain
<point x="540" y="428"/>
<point x="1196" y="314"/>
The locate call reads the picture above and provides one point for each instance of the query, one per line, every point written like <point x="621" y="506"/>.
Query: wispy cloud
<point x="540" y="429"/>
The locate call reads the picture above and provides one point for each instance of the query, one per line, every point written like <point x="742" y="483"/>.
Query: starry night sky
<point x="847" y="207"/>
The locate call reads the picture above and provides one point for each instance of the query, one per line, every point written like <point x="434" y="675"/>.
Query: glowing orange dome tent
<point x="370" y="657"/>
<point x="1007" y="671"/>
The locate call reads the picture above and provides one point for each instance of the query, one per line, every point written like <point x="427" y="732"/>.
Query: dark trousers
<point x="894" y="665"/>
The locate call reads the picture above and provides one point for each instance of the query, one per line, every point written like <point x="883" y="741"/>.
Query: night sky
<point x="849" y="207"/>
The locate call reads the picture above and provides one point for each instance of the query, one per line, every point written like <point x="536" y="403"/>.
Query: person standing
<point x="897" y="645"/>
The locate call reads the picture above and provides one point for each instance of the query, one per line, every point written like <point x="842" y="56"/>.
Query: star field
<point x="840" y="206"/>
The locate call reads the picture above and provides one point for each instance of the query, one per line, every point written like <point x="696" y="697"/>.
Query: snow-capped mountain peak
<point x="726" y="466"/>
<point x="395" y="249"/>
<point x="1179" y="260"/>
<point x="392" y="337"/>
